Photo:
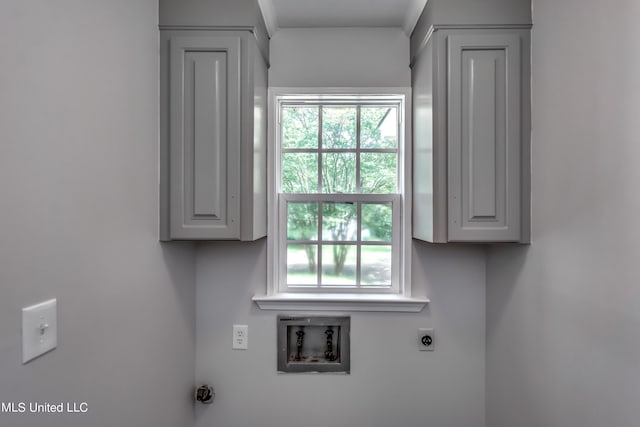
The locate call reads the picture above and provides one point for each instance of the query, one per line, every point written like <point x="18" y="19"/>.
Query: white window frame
<point x="398" y="296"/>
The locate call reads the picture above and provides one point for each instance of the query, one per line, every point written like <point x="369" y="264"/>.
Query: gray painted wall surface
<point x="79" y="209"/>
<point x="327" y="57"/>
<point x="474" y="12"/>
<point x="207" y="12"/>
<point x="562" y="314"/>
<point x="391" y="382"/>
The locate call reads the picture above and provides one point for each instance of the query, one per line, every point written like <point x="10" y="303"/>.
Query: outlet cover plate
<point x="240" y="337"/>
<point x="425" y="339"/>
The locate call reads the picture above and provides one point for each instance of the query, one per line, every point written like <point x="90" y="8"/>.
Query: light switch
<point x="39" y="329"/>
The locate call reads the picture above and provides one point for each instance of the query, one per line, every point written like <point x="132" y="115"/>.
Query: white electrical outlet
<point x="240" y="337"/>
<point x="425" y="339"/>
<point x="39" y="329"/>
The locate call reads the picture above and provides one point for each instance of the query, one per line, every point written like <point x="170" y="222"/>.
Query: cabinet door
<point x="484" y="137"/>
<point x="204" y="117"/>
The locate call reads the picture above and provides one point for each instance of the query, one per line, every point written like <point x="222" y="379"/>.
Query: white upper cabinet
<point x="484" y="137"/>
<point x="213" y="130"/>
<point x="471" y="133"/>
<point x="204" y="123"/>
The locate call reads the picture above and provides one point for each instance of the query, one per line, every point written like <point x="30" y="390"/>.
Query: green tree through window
<point x="328" y="151"/>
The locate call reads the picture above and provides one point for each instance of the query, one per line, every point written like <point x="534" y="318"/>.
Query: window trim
<point x="401" y="299"/>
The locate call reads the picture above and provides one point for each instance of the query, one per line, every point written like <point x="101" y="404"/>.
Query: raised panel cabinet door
<point x="484" y="137"/>
<point x="204" y="117"/>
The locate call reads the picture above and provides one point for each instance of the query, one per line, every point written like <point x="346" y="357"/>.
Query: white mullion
<point x="376" y="242"/>
<point x="339" y="102"/>
<point x="341" y="198"/>
<point x="395" y="243"/>
<point x="359" y="245"/>
<point x="299" y="150"/>
<point x="319" y="248"/>
<point x="358" y="149"/>
<point x="399" y="167"/>
<point x="358" y="204"/>
<point x="320" y="205"/>
<point x="303" y="242"/>
<point x="319" y="148"/>
<point x="278" y="152"/>
<point x="349" y="289"/>
<point x="282" y="234"/>
<point x="379" y="150"/>
<point x="339" y="150"/>
<point x="320" y="242"/>
<point x="343" y="243"/>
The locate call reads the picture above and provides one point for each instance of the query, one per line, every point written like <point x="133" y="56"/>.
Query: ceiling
<point x="341" y="13"/>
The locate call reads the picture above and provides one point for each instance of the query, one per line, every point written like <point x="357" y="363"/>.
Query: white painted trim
<point x="364" y="302"/>
<point x="436" y="27"/>
<point x="482" y="26"/>
<point x="340" y="302"/>
<point x="205" y="28"/>
<point x="346" y="91"/>
<point x="423" y="43"/>
<point x="269" y="15"/>
<point x="273" y="170"/>
<point x="412" y="15"/>
<point x="406" y="189"/>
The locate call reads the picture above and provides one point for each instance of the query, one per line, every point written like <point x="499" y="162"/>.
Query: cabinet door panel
<point x="206" y="86"/>
<point x="205" y="137"/>
<point x="484" y="137"/>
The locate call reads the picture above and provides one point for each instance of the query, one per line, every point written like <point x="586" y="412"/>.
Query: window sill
<point x="341" y="302"/>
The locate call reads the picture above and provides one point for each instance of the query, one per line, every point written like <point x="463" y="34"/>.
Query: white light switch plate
<point x="39" y="329"/>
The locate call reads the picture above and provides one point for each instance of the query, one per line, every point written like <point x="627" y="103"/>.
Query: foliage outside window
<point x="338" y="186"/>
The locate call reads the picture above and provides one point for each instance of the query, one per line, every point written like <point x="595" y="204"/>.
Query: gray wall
<point x="211" y="13"/>
<point x="391" y="382"/>
<point x="562" y="314"/>
<point x="79" y="209"/>
<point x="478" y="12"/>
<point x="321" y="57"/>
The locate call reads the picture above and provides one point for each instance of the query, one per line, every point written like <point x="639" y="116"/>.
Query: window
<point x="339" y="220"/>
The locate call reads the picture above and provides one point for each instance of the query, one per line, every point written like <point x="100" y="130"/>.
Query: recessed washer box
<point x="314" y="344"/>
